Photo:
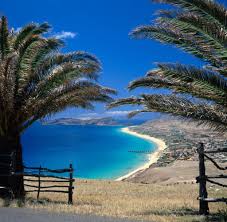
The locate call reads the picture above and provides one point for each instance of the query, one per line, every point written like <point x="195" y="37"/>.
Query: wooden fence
<point x="36" y="176"/>
<point x="202" y="179"/>
<point x="59" y="184"/>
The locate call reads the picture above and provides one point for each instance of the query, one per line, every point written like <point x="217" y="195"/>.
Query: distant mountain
<point x="105" y="121"/>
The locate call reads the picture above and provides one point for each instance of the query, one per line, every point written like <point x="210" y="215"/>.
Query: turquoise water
<point x="97" y="152"/>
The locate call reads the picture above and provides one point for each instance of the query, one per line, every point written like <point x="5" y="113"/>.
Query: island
<point x="103" y="121"/>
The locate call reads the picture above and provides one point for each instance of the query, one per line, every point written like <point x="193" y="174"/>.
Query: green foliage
<point x="37" y="80"/>
<point x="200" y="28"/>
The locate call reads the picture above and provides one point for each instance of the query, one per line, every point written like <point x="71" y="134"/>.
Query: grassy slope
<point x="150" y="202"/>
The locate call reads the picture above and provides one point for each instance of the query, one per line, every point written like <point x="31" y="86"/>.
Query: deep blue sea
<point x="97" y="152"/>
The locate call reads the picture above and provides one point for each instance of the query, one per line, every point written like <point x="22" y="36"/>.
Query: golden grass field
<point x="148" y="202"/>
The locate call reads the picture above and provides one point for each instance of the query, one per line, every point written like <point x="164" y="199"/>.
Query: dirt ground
<point x="181" y="171"/>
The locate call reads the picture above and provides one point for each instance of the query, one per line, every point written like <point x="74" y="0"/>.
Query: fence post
<point x="70" y="199"/>
<point x="203" y="205"/>
<point x="39" y="183"/>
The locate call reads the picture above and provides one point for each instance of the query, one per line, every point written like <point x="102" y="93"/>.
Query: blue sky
<point x="101" y="27"/>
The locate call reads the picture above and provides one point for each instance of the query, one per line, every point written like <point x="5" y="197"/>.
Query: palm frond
<point x="186" y="37"/>
<point x="75" y="94"/>
<point x="4" y="43"/>
<point x="215" y="48"/>
<point x="125" y="101"/>
<point x="183" y="107"/>
<point x="193" y="27"/>
<point x="28" y="32"/>
<point x="200" y="28"/>
<point x="201" y="83"/>
<point x="31" y="57"/>
<point x="37" y="80"/>
<point x="190" y="73"/>
<point x="214" y="116"/>
<point x="80" y="59"/>
<point x="211" y="29"/>
<point x="63" y="74"/>
<point x="136" y="112"/>
<point x="177" y="87"/>
<point x="208" y="9"/>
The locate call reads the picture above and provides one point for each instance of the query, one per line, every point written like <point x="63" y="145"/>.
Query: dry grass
<point x="149" y="202"/>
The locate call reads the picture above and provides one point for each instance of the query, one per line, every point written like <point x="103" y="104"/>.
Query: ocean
<point x="97" y="152"/>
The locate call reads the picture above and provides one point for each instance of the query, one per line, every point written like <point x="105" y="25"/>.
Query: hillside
<point x="104" y="121"/>
<point x="107" y="121"/>
<point x="179" y="161"/>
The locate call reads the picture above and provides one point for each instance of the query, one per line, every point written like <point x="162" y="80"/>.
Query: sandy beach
<point x="153" y="157"/>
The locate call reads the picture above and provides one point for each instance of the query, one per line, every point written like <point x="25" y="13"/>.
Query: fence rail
<point x="223" y="150"/>
<point x="48" y="170"/>
<point x="35" y="177"/>
<point x="202" y="179"/>
<point x="43" y="173"/>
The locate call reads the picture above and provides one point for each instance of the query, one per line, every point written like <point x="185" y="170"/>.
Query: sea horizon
<point x="96" y="152"/>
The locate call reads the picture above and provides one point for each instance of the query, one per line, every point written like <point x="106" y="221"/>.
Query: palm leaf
<point x="198" y="27"/>
<point x="4" y="44"/>
<point x="27" y="33"/>
<point x="214" y="116"/>
<point x="37" y="80"/>
<point x="209" y="9"/>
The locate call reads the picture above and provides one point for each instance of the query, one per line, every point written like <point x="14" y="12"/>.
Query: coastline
<point x="153" y="157"/>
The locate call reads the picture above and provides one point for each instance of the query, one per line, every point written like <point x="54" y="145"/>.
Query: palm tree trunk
<point x="14" y="182"/>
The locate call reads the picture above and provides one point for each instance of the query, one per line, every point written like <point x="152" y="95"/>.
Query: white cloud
<point x="65" y="35"/>
<point x="16" y="30"/>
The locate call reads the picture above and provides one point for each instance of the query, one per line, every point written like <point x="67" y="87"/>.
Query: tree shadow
<point x="176" y="212"/>
<point x="220" y="216"/>
<point x="7" y="202"/>
<point x="44" y="201"/>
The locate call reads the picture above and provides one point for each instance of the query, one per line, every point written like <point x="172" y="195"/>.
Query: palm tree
<point x="199" y="27"/>
<point x="36" y="80"/>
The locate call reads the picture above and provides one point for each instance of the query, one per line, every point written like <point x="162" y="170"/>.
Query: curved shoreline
<point x="153" y="157"/>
